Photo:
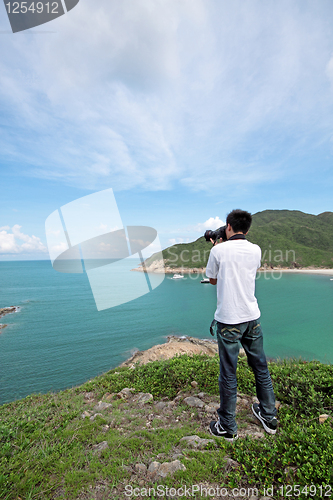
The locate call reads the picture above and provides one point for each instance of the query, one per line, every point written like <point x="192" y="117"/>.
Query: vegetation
<point x="46" y="447"/>
<point x="287" y="238"/>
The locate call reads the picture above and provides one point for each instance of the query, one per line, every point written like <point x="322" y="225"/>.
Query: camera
<point x="216" y="235"/>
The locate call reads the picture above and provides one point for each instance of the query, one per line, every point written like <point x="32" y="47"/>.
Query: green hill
<point x="286" y="237"/>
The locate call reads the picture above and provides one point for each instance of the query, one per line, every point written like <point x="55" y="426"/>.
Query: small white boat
<point x="331" y="279"/>
<point x="205" y="280"/>
<point x="177" y="277"/>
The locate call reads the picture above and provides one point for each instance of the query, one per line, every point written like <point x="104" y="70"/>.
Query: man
<point x="232" y="265"/>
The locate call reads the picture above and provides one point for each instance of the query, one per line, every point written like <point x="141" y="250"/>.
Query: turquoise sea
<point x="58" y="339"/>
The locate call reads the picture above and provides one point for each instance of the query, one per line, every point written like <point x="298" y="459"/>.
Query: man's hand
<point x="216" y="242"/>
<point x="212" y="327"/>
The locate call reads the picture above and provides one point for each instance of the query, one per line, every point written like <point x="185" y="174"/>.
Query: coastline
<point x="158" y="267"/>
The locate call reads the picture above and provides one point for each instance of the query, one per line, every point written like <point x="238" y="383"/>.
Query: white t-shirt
<point x="234" y="264"/>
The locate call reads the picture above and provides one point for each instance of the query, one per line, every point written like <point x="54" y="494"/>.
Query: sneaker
<point x="270" y="426"/>
<point x="217" y="430"/>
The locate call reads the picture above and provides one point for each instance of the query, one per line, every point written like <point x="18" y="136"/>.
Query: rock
<point x="169" y="468"/>
<point x="194" y="384"/>
<point x="105" y="395"/>
<point x="178" y="398"/>
<point x="140" y="467"/>
<point x="143" y="397"/>
<point x="105" y="428"/>
<point x="160" y="405"/>
<point x="100" y="446"/>
<point x="294" y="265"/>
<point x="253" y="429"/>
<point x="197" y="442"/>
<point x="290" y="472"/>
<point x="323" y="418"/>
<point x="102" y="406"/>
<point x="231" y="464"/>
<point x="92" y="418"/>
<point x="2" y="326"/>
<point x="125" y="393"/>
<point x="89" y="396"/>
<point x="153" y="467"/>
<point x="201" y="394"/>
<point x="175" y="346"/>
<point x="85" y="414"/>
<point x="108" y="397"/>
<point x="212" y="407"/>
<point x="193" y="401"/>
<point x="8" y="310"/>
<point x="257" y="435"/>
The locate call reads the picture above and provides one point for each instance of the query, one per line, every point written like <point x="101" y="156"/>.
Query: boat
<point x="205" y="280"/>
<point x="177" y="277"/>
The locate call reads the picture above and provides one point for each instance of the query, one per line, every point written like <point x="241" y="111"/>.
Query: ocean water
<point x="58" y="339"/>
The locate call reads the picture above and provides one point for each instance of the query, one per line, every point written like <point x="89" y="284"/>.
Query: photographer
<point x="232" y="265"/>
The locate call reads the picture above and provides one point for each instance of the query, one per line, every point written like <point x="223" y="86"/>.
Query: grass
<point x="46" y="447"/>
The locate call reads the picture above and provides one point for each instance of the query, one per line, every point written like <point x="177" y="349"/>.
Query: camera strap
<point x="237" y="237"/>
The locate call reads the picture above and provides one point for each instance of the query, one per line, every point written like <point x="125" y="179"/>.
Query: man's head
<point x="239" y="221"/>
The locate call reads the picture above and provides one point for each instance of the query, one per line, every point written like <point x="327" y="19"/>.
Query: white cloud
<point x="7" y="243"/>
<point x="149" y="93"/>
<point x="10" y="243"/>
<point x="56" y="250"/>
<point x="211" y="223"/>
<point x="108" y="229"/>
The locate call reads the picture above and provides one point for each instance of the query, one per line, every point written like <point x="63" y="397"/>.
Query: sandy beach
<point x="308" y="270"/>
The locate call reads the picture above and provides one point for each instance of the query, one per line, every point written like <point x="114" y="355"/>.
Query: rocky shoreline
<point x="173" y="347"/>
<point x="7" y="310"/>
<point x="159" y="267"/>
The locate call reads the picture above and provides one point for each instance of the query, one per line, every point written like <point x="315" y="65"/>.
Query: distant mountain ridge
<point x="287" y="238"/>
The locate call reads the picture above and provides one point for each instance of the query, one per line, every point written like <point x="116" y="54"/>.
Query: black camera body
<point x="217" y="234"/>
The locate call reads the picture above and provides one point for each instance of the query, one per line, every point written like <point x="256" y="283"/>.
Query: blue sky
<point x="187" y="109"/>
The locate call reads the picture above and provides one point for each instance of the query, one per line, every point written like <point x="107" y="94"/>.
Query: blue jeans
<point x="250" y="336"/>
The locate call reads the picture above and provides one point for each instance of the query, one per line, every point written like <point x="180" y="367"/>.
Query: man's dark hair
<point x="240" y="221"/>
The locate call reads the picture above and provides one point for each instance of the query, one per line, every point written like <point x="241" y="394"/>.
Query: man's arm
<point x="212" y="269"/>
